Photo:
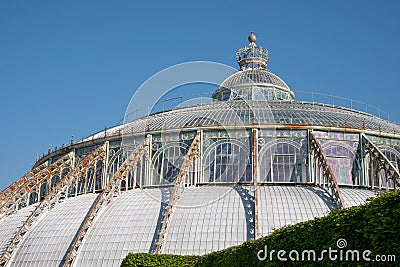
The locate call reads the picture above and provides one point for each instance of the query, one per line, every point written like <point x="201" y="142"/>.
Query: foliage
<point x="145" y="259"/>
<point x="374" y="226"/>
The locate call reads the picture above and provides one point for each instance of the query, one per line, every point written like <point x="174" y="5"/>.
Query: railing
<point x="338" y="101"/>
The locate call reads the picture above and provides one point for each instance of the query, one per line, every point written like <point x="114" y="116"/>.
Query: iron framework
<point x="51" y="200"/>
<point x="322" y="167"/>
<point x="104" y="198"/>
<point x="176" y="191"/>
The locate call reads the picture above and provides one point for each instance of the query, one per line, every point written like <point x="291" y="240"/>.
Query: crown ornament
<point x="252" y="56"/>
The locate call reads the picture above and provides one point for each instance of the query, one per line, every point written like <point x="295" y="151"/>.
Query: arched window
<point x="167" y="162"/>
<point x="44" y="191"/>
<point x="227" y="161"/>
<point x="55" y="180"/>
<point x="340" y="157"/>
<point x="282" y="161"/>
<point x="90" y="180"/>
<point x="99" y="173"/>
<point x="33" y="198"/>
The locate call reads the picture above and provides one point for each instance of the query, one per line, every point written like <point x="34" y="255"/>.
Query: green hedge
<point x="374" y="226"/>
<point x="145" y="259"/>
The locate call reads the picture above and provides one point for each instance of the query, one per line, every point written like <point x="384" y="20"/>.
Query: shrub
<point x="145" y="259"/>
<point x="374" y="226"/>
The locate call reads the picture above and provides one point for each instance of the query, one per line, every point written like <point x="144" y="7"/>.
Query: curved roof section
<point x="128" y="224"/>
<point x="254" y="76"/>
<point x="48" y="241"/>
<point x="236" y="113"/>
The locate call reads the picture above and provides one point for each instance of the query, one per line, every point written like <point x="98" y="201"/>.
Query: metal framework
<point x="51" y="200"/>
<point x="383" y="163"/>
<point x="104" y="198"/>
<point x="176" y="191"/>
<point x="255" y="134"/>
<point x="10" y="190"/>
<point x="18" y="195"/>
<point x="322" y="165"/>
<point x="285" y="115"/>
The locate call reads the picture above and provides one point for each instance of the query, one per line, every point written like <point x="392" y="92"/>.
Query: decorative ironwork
<point x="11" y="189"/>
<point x="252" y="56"/>
<point x="383" y="163"/>
<point x="51" y="200"/>
<point x="321" y="162"/>
<point x="104" y="198"/>
<point x="176" y="191"/>
<point x="19" y="194"/>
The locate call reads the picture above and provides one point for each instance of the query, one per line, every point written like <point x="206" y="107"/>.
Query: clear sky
<point x="71" y="67"/>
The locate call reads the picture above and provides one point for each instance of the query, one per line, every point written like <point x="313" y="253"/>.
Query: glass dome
<point x="253" y="81"/>
<point x="253" y="84"/>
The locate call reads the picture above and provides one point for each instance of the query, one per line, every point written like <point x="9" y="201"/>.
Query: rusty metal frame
<point x="324" y="167"/>
<point x="105" y="197"/>
<point x="27" y="185"/>
<point x="176" y="191"/>
<point x="10" y="190"/>
<point x="50" y="201"/>
<point x="383" y="162"/>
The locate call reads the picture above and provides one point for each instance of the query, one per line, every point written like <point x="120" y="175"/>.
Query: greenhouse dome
<point x="200" y="178"/>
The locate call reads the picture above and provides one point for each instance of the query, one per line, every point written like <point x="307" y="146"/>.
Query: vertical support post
<point x="76" y="186"/>
<point x="85" y="184"/>
<point x="73" y="164"/>
<point x="200" y="178"/>
<point x="387" y="179"/>
<point x="371" y="172"/>
<point x="363" y="174"/>
<point x="134" y="173"/>
<point x="147" y="159"/>
<point x="94" y="178"/>
<point x="255" y="180"/>
<point x="141" y="172"/>
<point x="106" y="166"/>
<point x="194" y="174"/>
<point x="311" y="171"/>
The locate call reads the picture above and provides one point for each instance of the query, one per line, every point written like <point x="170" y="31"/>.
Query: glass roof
<point x="216" y="220"/>
<point x="254" y="76"/>
<point x="237" y="113"/>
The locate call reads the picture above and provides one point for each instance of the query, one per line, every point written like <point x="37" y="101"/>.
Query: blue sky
<point x="71" y="67"/>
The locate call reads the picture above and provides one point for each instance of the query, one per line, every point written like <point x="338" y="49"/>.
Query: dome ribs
<point x="11" y="189"/>
<point x="175" y="195"/>
<point x="383" y="164"/>
<point x="18" y="195"/>
<point x="50" y="201"/>
<point x="328" y="178"/>
<point x="103" y="199"/>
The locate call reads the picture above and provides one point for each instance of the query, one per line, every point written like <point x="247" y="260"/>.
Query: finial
<point x="252" y="37"/>
<point x="252" y="56"/>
